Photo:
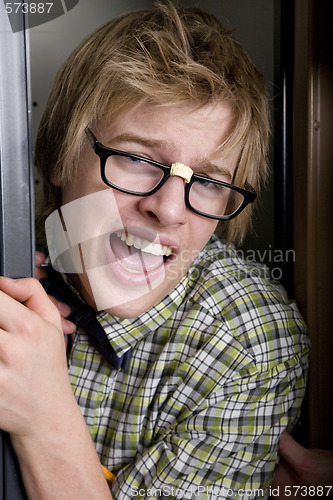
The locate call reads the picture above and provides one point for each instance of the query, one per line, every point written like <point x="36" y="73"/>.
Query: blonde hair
<point x="162" y="56"/>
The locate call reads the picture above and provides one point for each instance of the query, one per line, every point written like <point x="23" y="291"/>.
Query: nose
<point x="167" y="205"/>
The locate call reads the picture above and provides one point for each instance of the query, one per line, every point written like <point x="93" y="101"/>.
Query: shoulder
<point x="220" y="277"/>
<point x="240" y="295"/>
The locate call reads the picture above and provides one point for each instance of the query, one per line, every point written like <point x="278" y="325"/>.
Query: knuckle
<point x="33" y="284"/>
<point x="9" y="353"/>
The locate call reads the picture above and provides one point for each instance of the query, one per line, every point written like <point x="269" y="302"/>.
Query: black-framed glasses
<point x="139" y="176"/>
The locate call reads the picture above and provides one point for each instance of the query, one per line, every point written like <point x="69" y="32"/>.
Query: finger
<point x="63" y="308"/>
<point x="30" y="293"/>
<point x="67" y="326"/>
<point x="39" y="258"/>
<point x="291" y="450"/>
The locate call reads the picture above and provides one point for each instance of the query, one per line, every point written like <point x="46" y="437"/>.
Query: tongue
<point x="137" y="260"/>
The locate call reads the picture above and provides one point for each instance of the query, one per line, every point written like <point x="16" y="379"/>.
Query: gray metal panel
<point x="16" y="183"/>
<point x="16" y="195"/>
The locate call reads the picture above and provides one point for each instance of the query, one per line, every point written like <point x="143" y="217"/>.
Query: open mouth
<point x="137" y="255"/>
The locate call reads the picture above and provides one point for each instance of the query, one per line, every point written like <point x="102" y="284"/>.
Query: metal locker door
<point x="16" y="194"/>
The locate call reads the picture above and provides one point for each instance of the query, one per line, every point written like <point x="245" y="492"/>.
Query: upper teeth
<point x="144" y="245"/>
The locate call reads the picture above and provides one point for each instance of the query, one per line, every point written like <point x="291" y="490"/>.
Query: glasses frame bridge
<point x="181" y="170"/>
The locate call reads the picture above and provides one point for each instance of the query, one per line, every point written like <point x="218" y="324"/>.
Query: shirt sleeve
<point x="216" y="434"/>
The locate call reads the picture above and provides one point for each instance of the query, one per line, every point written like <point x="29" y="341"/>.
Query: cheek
<point x="192" y="244"/>
<point x="82" y="185"/>
<point x="202" y="232"/>
<point x="128" y="206"/>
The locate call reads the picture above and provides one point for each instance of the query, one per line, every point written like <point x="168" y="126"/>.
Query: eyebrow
<point x="150" y="143"/>
<point x="209" y="168"/>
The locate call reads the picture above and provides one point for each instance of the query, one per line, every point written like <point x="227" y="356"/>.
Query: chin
<point x="134" y="308"/>
<point x="127" y="311"/>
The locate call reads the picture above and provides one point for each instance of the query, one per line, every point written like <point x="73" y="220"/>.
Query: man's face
<point x="141" y="246"/>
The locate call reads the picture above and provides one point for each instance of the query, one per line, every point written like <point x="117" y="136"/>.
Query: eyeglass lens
<point x="138" y="176"/>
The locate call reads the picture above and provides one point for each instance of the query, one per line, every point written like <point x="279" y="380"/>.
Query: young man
<point x="154" y="138"/>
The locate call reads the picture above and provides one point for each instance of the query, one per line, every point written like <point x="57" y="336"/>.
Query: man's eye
<point x="204" y="182"/>
<point x="135" y="159"/>
<point x="210" y="188"/>
<point x="205" y="185"/>
<point x="207" y="182"/>
<point x="131" y="164"/>
<point x="138" y="161"/>
<point x="138" y="157"/>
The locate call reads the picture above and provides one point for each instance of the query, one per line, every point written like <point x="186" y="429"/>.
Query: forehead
<point x="200" y="129"/>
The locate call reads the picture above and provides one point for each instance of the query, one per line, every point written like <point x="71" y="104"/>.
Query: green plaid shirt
<point x="218" y="371"/>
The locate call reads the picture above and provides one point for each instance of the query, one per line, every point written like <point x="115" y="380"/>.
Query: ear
<point x="54" y="179"/>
